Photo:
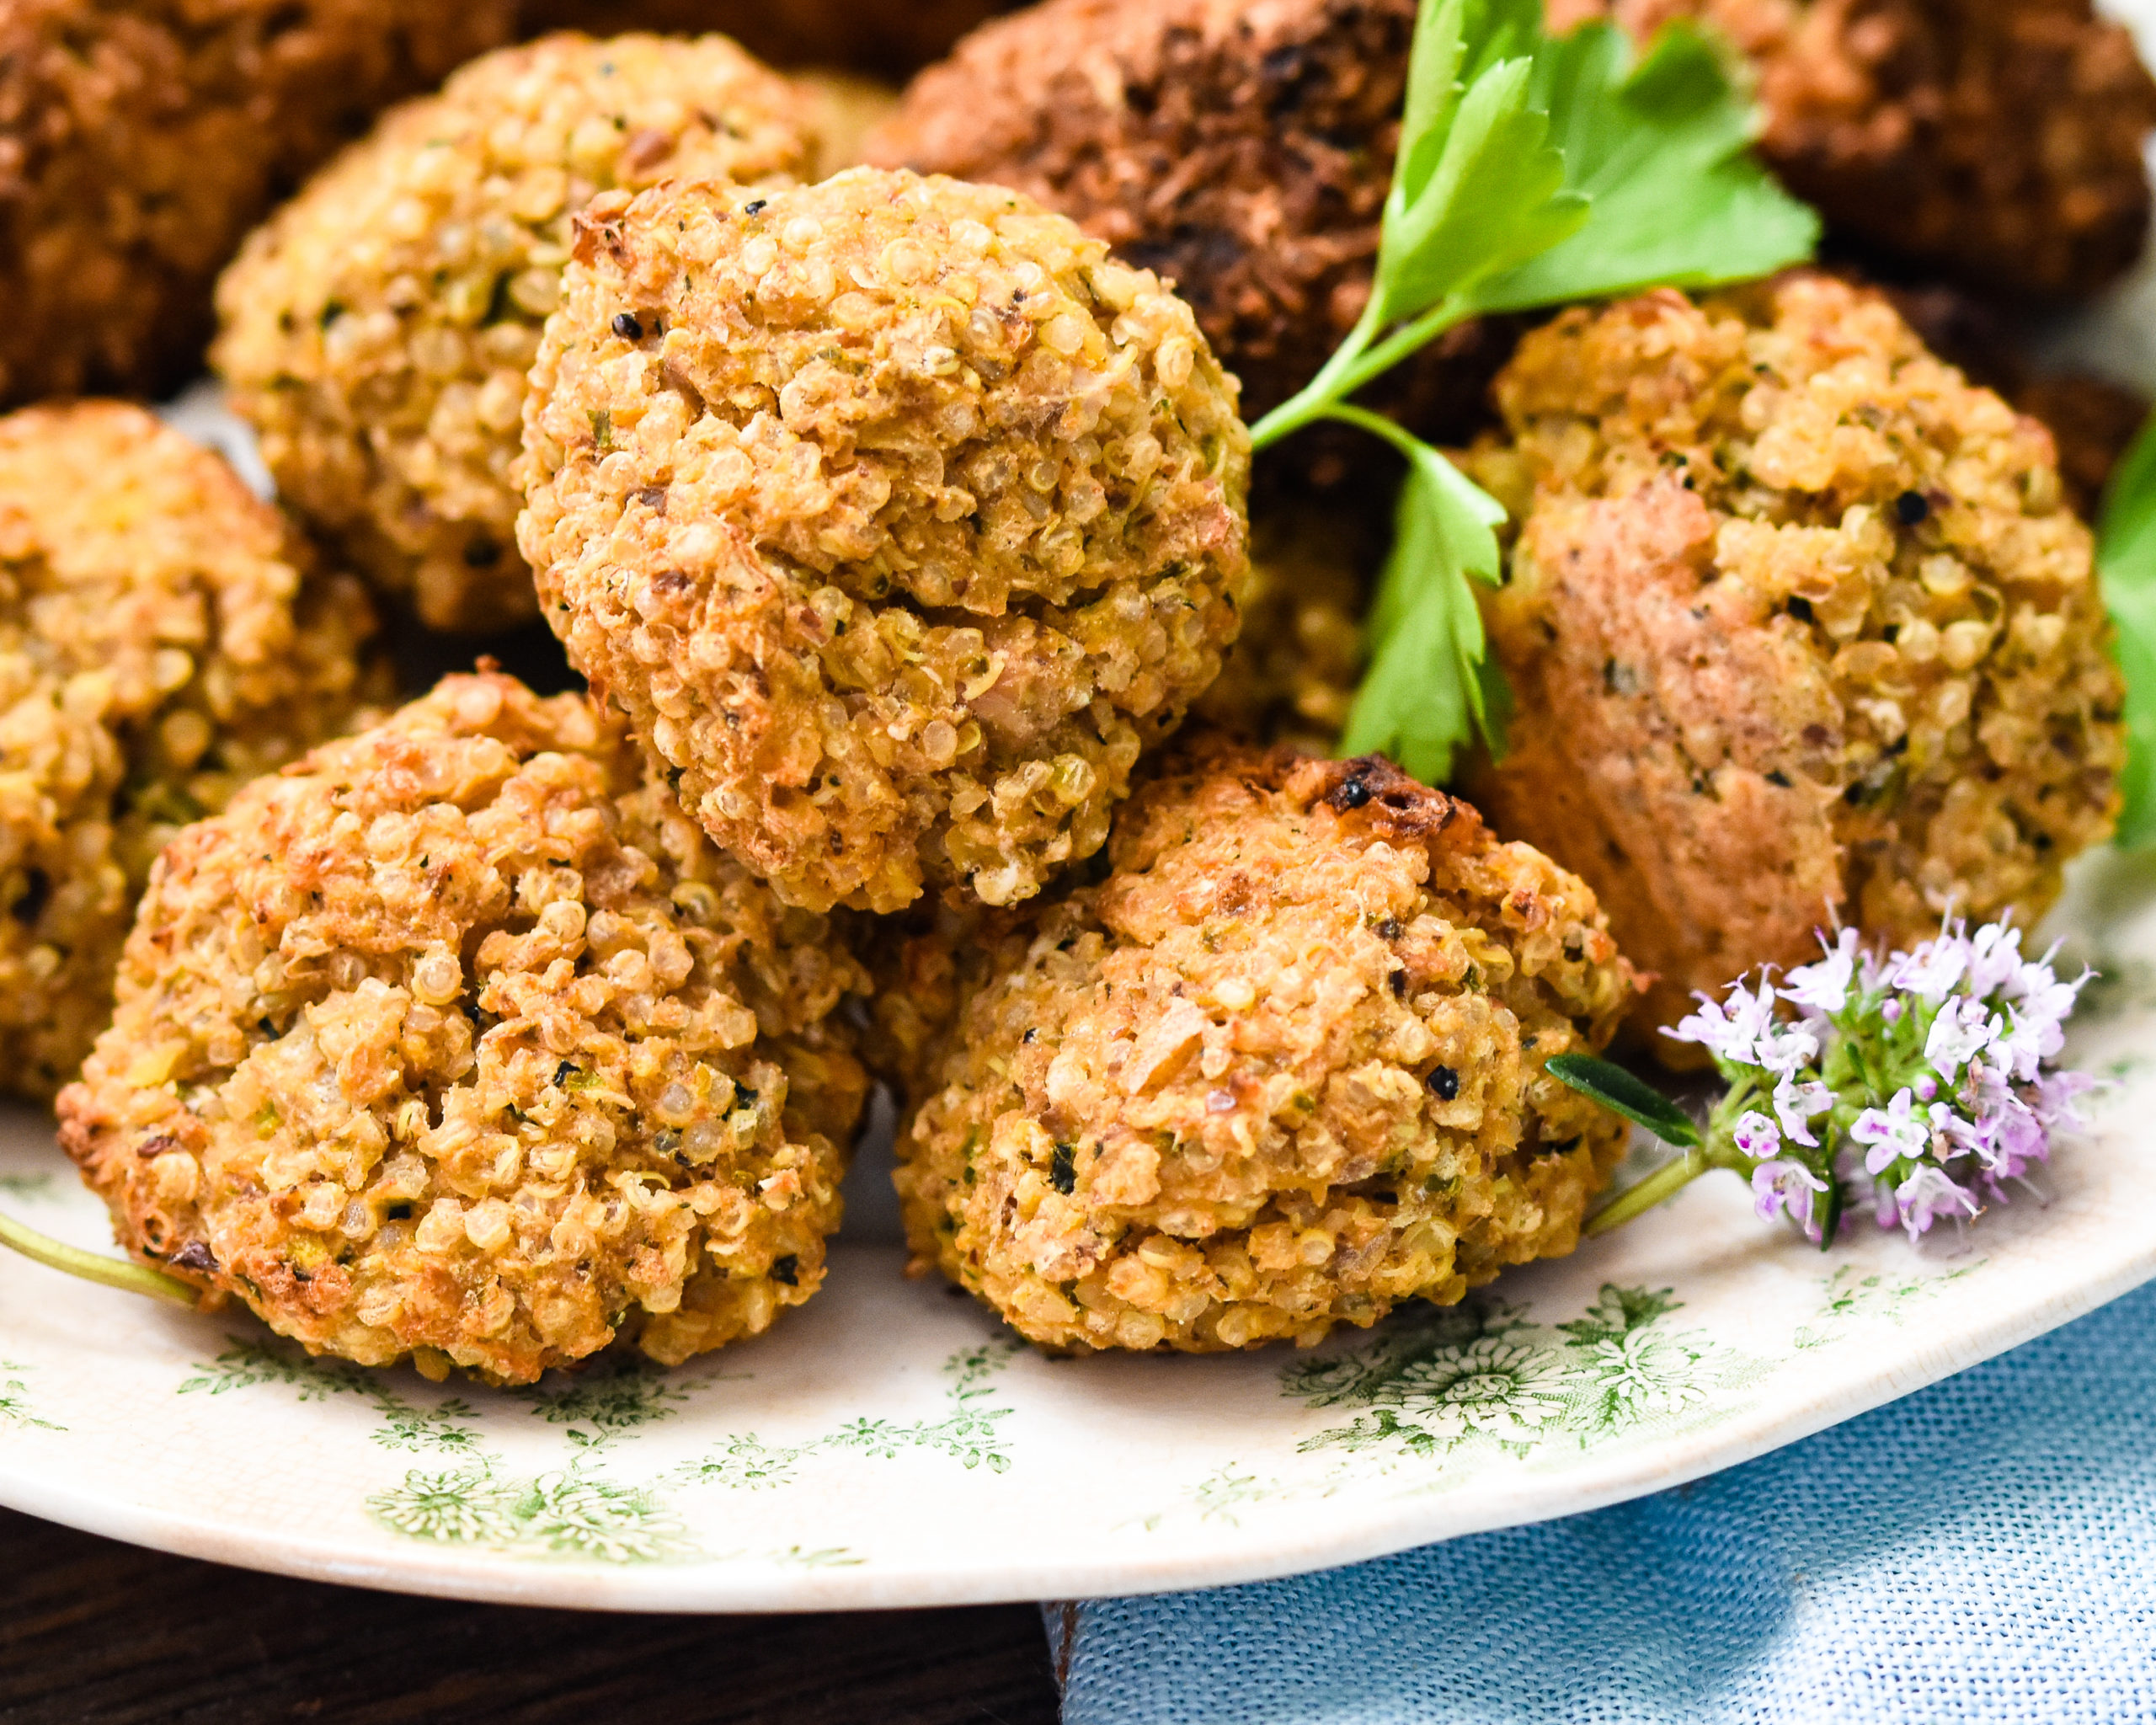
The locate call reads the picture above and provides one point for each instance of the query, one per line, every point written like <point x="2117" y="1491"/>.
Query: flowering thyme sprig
<point x="1924" y="1080"/>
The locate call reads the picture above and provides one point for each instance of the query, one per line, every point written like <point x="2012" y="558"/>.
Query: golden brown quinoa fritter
<point x="163" y="638"/>
<point x="884" y="36"/>
<point x="1798" y="627"/>
<point x="458" y="1040"/>
<point x="1280" y="1071"/>
<point x="897" y="516"/>
<point x="139" y="139"/>
<point x="1291" y="676"/>
<point x="2000" y="140"/>
<point x="378" y="330"/>
<point x="1242" y="150"/>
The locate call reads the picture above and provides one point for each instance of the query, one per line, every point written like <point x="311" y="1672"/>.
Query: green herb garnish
<point x="2125" y="559"/>
<point x="1534" y="170"/>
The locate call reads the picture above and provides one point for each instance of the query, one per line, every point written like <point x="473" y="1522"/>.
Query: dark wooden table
<point x="96" y="1633"/>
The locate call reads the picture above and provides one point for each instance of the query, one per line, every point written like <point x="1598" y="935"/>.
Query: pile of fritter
<point x="897" y="518"/>
<point x="1798" y="628"/>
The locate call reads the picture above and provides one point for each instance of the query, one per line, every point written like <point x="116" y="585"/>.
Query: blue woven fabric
<point x="1982" y="1551"/>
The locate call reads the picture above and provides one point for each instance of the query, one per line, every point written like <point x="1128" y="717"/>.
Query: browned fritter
<point x="1292" y="675"/>
<point x="1798" y="628"/>
<point x="898" y="517"/>
<point x="164" y="637"/>
<point x="458" y="1040"/>
<point x="2000" y="140"/>
<point x="140" y="139"/>
<point x="1242" y="149"/>
<point x="888" y="37"/>
<point x="1280" y="1071"/>
<point x="377" y="329"/>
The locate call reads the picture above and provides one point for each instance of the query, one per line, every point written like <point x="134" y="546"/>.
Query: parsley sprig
<point x="1533" y="170"/>
<point x="2125" y="560"/>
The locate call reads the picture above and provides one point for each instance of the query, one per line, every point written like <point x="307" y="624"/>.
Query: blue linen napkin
<point x="1983" y="1551"/>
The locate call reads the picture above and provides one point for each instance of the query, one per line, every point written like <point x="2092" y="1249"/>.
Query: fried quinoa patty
<point x="140" y="139"/>
<point x="2000" y="140"/>
<point x="1242" y="150"/>
<point x="897" y="516"/>
<point x="1280" y="1071"/>
<point x="163" y="638"/>
<point x="1798" y="627"/>
<point x="458" y="1040"/>
<point x="378" y="330"/>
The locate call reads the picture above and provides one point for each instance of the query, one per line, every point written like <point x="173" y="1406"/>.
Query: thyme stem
<point x="95" y="1267"/>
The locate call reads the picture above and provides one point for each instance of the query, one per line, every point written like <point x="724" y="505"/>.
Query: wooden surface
<point x="96" y="1633"/>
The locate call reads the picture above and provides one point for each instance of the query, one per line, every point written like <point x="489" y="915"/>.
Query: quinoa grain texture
<point x="139" y="139"/>
<point x="1280" y="1071"/>
<point x="458" y="1041"/>
<point x="378" y="330"/>
<point x="898" y="518"/>
<point x="164" y="637"/>
<point x="1799" y="628"/>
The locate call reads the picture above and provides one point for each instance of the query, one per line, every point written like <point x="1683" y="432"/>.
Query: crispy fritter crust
<point x="897" y="516"/>
<point x="378" y="330"/>
<point x="1291" y="676"/>
<point x="139" y="139"/>
<point x="887" y="37"/>
<point x="1242" y="150"/>
<point x="1798" y="627"/>
<point x="1280" y="1071"/>
<point x="1999" y="139"/>
<point x="163" y="638"/>
<point x="458" y="1040"/>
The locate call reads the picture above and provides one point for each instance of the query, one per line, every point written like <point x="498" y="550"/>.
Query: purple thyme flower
<point x="1926" y="1076"/>
<point x="1786" y="1187"/>
<point x="1893" y="1132"/>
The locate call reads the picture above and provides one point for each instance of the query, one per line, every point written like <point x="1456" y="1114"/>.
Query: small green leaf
<point x="1428" y="685"/>
<point x="1660" y="151"/>
<point x="2126" y="556"/>
<point x="1617" y="1090"/>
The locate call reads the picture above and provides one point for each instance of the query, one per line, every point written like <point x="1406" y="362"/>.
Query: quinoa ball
<point x="139" y="141"/>
<point x="164" y="637"/>
<point x="1798" y="627"/>
<point x="890" y="37"/>
<point x="1242" y="151"/>
<point x="1280" y="1069"/>
<point x="1292" y="675"/>
<point x="378" y="330"/>
<point x="457" y="1040"/>
<point x="2000" y="140"/>
<point x="897" y="516"/>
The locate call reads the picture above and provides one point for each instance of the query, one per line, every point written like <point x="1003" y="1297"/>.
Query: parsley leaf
<point x="1533" y="170"/>
<point x="2126" y="559"/>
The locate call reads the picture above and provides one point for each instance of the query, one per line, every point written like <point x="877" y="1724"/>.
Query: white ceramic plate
<point x="889" y="1445"/>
